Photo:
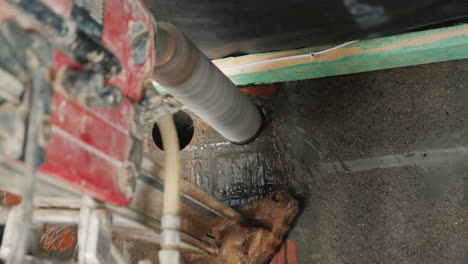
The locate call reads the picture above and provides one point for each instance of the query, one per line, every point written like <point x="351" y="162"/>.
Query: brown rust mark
<point x="257" y="239"/>
<point x="263" y="90"/>
<point x="9" y="199"/>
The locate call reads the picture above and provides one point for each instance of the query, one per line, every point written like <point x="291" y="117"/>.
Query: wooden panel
<point x="422" y="47"/>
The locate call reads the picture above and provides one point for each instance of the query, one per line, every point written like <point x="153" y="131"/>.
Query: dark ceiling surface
<point x="221" y="28"/>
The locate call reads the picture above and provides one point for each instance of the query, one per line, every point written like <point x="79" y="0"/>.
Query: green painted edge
<point x="452" y="48"/>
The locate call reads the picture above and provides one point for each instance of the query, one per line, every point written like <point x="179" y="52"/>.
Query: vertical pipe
<point x="186" y="73"/>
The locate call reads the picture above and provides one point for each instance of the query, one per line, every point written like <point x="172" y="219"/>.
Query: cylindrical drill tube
<point x="186" y="73"/>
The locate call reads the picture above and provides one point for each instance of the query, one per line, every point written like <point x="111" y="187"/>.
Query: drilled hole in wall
<point x="185" y="130"/>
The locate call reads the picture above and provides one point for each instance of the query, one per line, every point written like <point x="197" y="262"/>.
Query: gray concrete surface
<point x="391" y="182"/>
<point x="379" y="161"/>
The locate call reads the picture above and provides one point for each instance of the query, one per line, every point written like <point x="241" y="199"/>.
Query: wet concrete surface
<point x="378" y="160"/>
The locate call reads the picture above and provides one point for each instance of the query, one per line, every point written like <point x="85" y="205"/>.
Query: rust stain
<point x="264" y="90"/>
<point x="256" y="239"/>
<point x="286" y="254"/>
<point x="279" y="163"/>
<point x="9" y="199"/>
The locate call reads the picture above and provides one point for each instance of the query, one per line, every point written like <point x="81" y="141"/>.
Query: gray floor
<point x="378" y="160"/>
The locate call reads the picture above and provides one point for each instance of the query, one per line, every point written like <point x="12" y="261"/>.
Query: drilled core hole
<point x="184" y="126"/>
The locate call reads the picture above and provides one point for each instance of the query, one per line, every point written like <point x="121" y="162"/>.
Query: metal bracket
<point x="94" y="233"/>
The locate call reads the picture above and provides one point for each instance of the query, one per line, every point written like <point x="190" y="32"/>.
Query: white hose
<point x="172" y="167"/>
<point x="170" y="224"/>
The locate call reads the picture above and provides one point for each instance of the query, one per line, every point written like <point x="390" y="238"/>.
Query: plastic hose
<point x="170" y="224"/>
<point x="172" y="169"/>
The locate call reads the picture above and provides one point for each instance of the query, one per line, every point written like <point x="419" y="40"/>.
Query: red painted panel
<point x="83" y="168"/>
<point x="88" y="128"/>
<point x="119" y="15"/>
<point x="74" y="159"/>
<point x="87" y="149"/>
<point x="120" y="116"/>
